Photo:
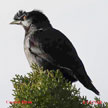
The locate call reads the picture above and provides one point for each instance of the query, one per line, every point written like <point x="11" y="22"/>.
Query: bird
<point x="49" y="48"/>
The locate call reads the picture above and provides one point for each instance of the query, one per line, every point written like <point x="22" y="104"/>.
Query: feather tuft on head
<point x="19" y="15"/>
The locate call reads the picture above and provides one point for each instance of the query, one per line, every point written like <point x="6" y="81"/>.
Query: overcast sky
<point x="84" y="22"/>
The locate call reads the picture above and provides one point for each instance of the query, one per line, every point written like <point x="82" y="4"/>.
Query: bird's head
<point x="35" y="18"/>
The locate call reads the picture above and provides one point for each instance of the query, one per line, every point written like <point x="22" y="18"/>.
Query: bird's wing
<point x="55" y="46"/>
<point x="58" y="50"/>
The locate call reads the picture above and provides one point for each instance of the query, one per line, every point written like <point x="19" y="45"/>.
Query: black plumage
<point x="51" y="49"/>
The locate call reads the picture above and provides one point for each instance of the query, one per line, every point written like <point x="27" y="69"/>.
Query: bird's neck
<point x="38" y="27"/>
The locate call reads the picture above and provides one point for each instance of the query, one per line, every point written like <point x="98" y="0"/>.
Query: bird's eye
<point x="24" y="17"/>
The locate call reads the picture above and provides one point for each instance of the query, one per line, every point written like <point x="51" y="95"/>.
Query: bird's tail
<point x="88" y="84"/>
<point x="91" y="87"/>
<point x="85" y="80"/>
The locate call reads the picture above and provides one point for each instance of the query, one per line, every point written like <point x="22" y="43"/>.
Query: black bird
<point x="51" y="49"/>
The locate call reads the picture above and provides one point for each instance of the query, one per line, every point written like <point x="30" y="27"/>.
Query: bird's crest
<point x="19" y="15"/>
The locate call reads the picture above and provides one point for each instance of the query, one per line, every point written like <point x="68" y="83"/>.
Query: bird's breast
<point x="32" y="59"/>
<point x="29" y="56"/>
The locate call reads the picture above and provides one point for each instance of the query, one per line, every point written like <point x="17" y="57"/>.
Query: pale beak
<point x="16" y="22"/>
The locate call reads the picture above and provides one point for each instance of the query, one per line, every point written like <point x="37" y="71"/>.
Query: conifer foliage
<point x="48" y="89"/>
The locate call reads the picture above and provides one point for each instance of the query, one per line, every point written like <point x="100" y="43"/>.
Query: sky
<point x="84" y="22"/>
